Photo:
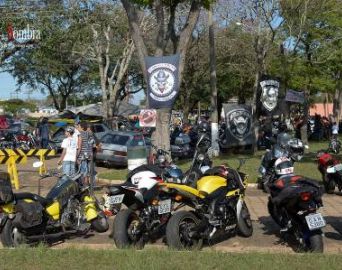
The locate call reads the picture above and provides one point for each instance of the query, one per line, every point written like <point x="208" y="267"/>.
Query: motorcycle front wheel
<point x="244" y="224"/>
<point x="179" y="231"/>
<point x="100" y="224"/>
<point x="126" y="230"/>
<point x="11" y="237"/>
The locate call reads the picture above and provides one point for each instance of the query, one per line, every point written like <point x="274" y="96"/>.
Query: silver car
<point x="115" y="146"/>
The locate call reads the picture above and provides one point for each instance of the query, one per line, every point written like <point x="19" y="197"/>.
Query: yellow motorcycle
<point x="67" y="210"/>
<point x="218" y="207"/>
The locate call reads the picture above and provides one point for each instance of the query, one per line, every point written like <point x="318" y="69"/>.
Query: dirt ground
<point x="266" y="237"/>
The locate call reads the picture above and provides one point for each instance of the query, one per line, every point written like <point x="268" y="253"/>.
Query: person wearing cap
<point x="68" y="157"/>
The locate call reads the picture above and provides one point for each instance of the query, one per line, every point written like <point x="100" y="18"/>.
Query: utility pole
<point x="213" y="87"/>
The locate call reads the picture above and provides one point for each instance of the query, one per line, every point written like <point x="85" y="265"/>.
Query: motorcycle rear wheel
<point x="122" y="230"/>
<point x="315" y="243"/>
<point x="329" y="185"/>
<point x="178" y="231"/>
<point x="11" y="237"/>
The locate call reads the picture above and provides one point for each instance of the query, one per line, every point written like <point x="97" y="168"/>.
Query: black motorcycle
<point x="66" y="211"/>
<point x="148" y="210"/>
<point x="294" y="208"/>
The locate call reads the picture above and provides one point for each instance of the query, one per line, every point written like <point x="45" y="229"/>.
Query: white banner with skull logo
<point x="269" y="94"/>
<point x="163" y="82"/>
<point x="239" y="123"/>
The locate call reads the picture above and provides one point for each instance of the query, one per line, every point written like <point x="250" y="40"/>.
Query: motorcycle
<point x="331" y="171"/>
<point x="283" y="147"/>
<point x="293" y="206"/>
<point x="201" y="162"/>
<point x="266" y="169"/>
<point x="67" y="210"/>
<point x="218" y="207"/>
<point x="180" y="146"/>
<point x="148" y="210"/>
<point x="334" y="146"/>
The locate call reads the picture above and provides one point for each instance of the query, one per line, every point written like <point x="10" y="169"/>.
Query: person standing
<point x="68" y="157"/>
<point x="44" y="133"/>
<point x="84" y="151"/>
<point x="334" y="130"/>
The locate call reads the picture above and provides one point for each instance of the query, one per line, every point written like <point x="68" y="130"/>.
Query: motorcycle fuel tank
<point x="209" y="184"/>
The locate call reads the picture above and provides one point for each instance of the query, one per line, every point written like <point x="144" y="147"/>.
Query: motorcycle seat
<point x="35" y="197"/>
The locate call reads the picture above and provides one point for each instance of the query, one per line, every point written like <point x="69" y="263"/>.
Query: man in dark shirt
<point x="44" y="133"/>
<point x="84" y="151"/>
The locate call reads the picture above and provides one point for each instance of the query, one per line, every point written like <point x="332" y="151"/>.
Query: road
<point x="265" y="238"/>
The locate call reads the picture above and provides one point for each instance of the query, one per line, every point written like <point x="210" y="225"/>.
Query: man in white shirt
<point x="68" y="157"/>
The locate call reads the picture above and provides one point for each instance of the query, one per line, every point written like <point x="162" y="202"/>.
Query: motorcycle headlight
<point x="161" y="158"/>
<point x="200" y="157"/>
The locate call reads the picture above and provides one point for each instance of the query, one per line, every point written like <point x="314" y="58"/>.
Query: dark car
<point x="115" y="146"/>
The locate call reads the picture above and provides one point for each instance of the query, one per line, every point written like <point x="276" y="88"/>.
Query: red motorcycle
<point x="331" y="170"/>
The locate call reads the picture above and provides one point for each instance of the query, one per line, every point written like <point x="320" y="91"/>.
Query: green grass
<point x="43" y="258"/>
<point x="307" y="166"/>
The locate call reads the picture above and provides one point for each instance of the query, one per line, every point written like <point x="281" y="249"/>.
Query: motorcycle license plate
<point x="338" y="167"/>
<point x="164" y="207"/>
<point x="116" y="199"/>
<point x="315" y="221"/>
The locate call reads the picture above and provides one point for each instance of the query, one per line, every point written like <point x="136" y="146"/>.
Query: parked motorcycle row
<point x="187" y="209"/>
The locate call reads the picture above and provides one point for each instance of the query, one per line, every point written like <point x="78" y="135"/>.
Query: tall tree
<point x="168" y="32"/>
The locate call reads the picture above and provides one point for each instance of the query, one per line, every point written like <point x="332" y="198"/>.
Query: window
<point x="115" y="139"/>
<point x="98" y="128"/>
<point x="137" y="140"/>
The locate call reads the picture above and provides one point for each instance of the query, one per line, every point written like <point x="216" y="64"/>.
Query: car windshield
<point x="138" y="140"/>
<point x="115" y="139"/>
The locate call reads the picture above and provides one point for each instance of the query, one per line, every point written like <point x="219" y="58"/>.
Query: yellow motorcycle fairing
<point x="8" y="208"/>
<point x="183" y="190"/>
<point x="90" y="208"/>
<point x="208" y="184"/>
<point x="53" y="210"/>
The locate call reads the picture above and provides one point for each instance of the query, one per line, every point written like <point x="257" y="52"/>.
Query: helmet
<point x="204" y="126"/>
<point x="296" y="149"/>
<point x="283" y="166"/>
<point x="173" y="174"/>
<point x="70" y="129"/>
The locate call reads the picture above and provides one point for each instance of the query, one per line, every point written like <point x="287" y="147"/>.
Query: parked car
<point x="100" y="129"/>
<point x="115" y="146"/>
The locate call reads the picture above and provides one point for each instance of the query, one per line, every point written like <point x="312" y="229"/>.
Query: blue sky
<point x="8" y="86"/>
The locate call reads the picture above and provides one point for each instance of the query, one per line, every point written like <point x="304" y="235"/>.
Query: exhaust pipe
<point x="50" y="236"/>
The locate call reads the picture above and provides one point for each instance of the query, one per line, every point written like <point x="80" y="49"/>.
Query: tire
<point x="329" y="185"/>
<point x="271" y="210"/>
<point x="8" y="237"/>
<point x="175" y="229"/>
<point x="260" y="183"/>
<point x="122" y="238"/>
<point x="316" y="243"/>
<point x="192" y="177"/>
<point x="100" y="224"/>
<point x="244" y="224"/>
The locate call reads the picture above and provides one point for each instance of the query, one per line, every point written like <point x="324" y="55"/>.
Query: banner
<point x="239" y="125"/>
<point x="163" y="81"/>
<point x="295" y="96"/>
<point x="269" y="94"/>
<point x="147" y="118"/>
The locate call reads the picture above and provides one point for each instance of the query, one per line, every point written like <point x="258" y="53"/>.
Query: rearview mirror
<point x="37" y="164"/>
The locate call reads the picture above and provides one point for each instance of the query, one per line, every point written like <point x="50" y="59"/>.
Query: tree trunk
<point x="213" y="81"/>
